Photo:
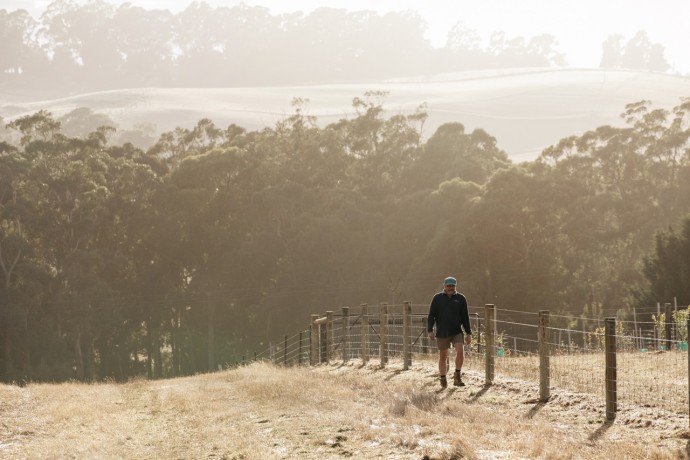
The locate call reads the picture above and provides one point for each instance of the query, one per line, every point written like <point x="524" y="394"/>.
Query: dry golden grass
<point x="329" y="411"/>
<point x="657" y="379"/>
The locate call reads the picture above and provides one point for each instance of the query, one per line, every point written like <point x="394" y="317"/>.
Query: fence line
<point x="636" y="362"/>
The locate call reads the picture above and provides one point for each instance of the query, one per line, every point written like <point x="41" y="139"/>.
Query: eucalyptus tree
<point x="83" y="121"/>
<point x="451" y="152"/>
<point x="628" y="191"/>
<point x="539" y="51"/>
<point x="146" y="41"/>
<point x="213" y="193"/>
<point x="15" y="258"/>
<point x="22" y="62"/>
<point x="431" y="219"/>
<point x="247" y="44"/>
<point x="638" y="53"/>
<point x="174" y="146"/>
<point x="40" y="138"/>
<point x="667" y="268"/>
<point x="424" y="238"/>
<point x="513" y="245"/>
<point x="82" y="43"/>
<point x="384" y="46"/>
<point x="200" y="37"/>
<point x="303" y="201"/>
<point x="84" y="198"/>
<point x="127" y="234"/>
<point x="381" y="148"/>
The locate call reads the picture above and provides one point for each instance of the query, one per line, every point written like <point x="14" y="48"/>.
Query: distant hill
<point x="526" y="110"/>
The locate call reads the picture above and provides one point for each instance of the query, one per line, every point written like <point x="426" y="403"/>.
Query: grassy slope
<point x="525" y="110"/>
<point x="330" y="411"/>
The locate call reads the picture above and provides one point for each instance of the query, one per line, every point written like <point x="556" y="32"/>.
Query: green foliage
<point x="191" y="254"/>
<point x="679" y="324"/>
<point x="668" y="268"/>
<point x="596" y="340"/>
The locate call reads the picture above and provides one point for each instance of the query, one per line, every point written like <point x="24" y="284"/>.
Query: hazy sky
<point x="580" y="26"/>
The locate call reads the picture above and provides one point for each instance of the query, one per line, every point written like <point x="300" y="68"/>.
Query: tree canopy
<point x="118" y="262"/>
<point x="98" y="46"/>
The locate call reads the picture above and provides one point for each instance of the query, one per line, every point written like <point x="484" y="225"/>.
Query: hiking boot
<point x="457" y="381"/>
<point x="444" y="382"/>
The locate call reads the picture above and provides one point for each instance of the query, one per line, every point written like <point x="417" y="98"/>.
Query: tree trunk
<point x="176" y="344"/>
<point x="89" y="372"/>
<point x="158" y="362"/>
<point x="78" y="361"/>
<point x="154" y="362"/>
<point x="149" y="351"/>
<point x="24" y="331"/>
<point x="211" y="335"/>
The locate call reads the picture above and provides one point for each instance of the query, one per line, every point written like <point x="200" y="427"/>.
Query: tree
<point x="641" y="53"/>
<point x="17" y="291"/>
<point x="21" y="58"/>
<point x="668" y="269"/>
<point x="83" y="121"/>
<point x="638" y="53"/>
<point x="451" y="153"/>
<point x="539" y="51"/>
<point x="612" y="52"/>
<point x="145" y="40"/>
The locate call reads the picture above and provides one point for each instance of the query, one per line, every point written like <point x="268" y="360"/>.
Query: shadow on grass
<point x="480" y="393"/>
<point x="594" y="437"/>
<point x="536" y="408"/>
<point x="393" y="374"/>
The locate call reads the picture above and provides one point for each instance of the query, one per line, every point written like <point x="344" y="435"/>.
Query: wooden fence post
<point x="687" y="340"/>
<point x="637" y="340"/>
<point x="315" y="337"/>
<point x="407" y="332"/>
<point x="364" y="332"/>
<point x="329" y="336"/>
<point x="285" y="351"/>
<point x="544" y="361"/>
<point x="611" y="377"/>
<point x="479" y="334"/>
<point x="383" y="332"/>
<point x="346" y="334"/>
<point x="299" y="352"/>
<point x="668" y="316"/>
<point x="490" y="344"/>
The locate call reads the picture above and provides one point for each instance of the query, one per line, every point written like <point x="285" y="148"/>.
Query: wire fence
<point x="644" y="363"/>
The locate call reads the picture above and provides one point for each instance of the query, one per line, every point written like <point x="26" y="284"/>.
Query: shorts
<point x="443" y="343"/>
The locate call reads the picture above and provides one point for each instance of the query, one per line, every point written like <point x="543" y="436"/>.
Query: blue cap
<point x="449" y="280"/>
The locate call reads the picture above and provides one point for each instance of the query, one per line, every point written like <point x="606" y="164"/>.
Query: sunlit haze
<point x="580" y="27"/>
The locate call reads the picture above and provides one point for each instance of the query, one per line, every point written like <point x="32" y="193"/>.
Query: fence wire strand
<point x="651" y="362"/>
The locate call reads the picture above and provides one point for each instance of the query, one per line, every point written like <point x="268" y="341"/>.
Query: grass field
<point x="526" y="110"/>
<point x="340" y="410"/>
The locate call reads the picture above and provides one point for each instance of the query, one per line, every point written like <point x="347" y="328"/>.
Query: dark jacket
<point x="449" y="314"/>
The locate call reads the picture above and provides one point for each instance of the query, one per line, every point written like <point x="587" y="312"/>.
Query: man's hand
<point x="432" y="336"/>
<point x="468" y="339"/>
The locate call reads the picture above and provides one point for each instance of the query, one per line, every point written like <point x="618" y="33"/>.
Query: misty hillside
<point x="526" y="110"/>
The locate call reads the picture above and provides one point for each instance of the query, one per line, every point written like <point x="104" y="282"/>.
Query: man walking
<point x="449" y="313"/>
